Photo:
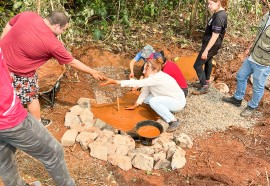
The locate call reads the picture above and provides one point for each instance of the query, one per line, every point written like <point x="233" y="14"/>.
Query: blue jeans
<point x="164" y="105"/>
<point x="33" y="138"/>
<point x="260" y="74"/>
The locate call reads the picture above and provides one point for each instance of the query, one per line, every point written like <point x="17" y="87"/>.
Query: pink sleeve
<point x="14" y="19"/>
<point x="61" y="54"/>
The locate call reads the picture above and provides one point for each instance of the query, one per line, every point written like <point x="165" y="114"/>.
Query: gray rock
<point x="69" y="137"/>
<point x="77" y="110"/>
<point x="100" y="124"/>
<point x="143" y="162"/>
<point x="124" y="162"/>
<point x="84" y="103"/>
<point x="98" y="150"/>
<point x="84" y="138"/>
<point x="183" y="140"/>
<point x="87" y="116"/>
<point x="124" y="140"/>
<point x="178" y="160"/>
<point x="71" y="119"/>
<point x="162" y="164"/>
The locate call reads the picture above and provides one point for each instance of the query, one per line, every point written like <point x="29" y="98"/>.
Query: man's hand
<point x="108" y="82"/>
<point x="98" y="75"/>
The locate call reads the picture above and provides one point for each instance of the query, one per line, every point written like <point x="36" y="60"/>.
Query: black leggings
<point x="203" y="74"/>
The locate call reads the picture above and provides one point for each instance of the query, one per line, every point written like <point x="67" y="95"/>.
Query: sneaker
<point x="35" y="183"/>
<point x="196" y="85"/>
<point x="173" y="125"/>
<point x="46" y="122"/>
<point x="232" y="100"/>
<point x="203" y="90"/>
<point x="250" y="112"/>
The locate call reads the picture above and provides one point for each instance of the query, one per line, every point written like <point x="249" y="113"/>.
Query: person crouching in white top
<point x="159" y="90"/>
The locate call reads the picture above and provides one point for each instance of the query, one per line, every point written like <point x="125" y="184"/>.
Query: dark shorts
<point x="26" y="88"/>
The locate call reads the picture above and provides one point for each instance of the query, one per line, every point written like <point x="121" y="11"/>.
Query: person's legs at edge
<point x="242" y="76"/>
<point x="33" y="138"/>
<point x="260" y="75"/>
<point x="208" y="70"/>
<point x="8" y="168"/>
<point x="34" y="108"/>
<point x="198" y="66"/>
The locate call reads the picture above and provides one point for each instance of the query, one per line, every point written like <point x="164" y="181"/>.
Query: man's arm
<point x="84" y="68"/>
<point x="6" y="30"/>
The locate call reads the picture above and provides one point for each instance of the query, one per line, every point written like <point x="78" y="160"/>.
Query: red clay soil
<point x="235" y="157"/>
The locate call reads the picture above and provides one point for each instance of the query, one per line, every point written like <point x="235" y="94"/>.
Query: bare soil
<point x="233" y="157"/>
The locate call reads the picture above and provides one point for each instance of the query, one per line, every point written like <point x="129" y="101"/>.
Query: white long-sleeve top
<point x="159" y="84"/>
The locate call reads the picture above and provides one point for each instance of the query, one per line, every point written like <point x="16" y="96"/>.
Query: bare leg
<point x="34" y="108"/>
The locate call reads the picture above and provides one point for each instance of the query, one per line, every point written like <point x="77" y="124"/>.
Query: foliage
<point x="96" y="17"/>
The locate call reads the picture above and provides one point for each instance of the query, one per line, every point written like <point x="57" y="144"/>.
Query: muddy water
<point x="127" y="119"/>
<point x="185" y="63"/>
<point x="148" y="131"/>
<point x="124" y="119"/>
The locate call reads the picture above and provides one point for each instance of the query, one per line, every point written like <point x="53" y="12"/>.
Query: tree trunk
<point x="193" y="17"/>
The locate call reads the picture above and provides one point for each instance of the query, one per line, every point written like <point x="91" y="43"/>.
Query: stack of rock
<point x="118" y="148"/>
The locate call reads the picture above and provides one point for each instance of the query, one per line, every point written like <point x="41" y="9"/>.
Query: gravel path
<point x="203" y="113"/>
<point x="209" y="113"/>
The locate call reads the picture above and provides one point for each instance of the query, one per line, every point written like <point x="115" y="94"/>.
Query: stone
<point x="162" y="164"/>
<point x="124" y="140"/>
<point x="108" y="134"/>
<point x="123" y="162"/>
<point x="168" y="145"/>
<point x="222" y="87"/>
<point x="87" y="116"/>
<point x="82" y="127"/>
<point x="172" y="150"/>
<point x="122" y="150"/>
<point x="84" y="138"/>
<point x="178" y="160"/>
<point x="100" y="124"/>
<point x="84" y="103"/>
<point x="157" y="147"/>
<point x="77" y="110"/>
<point x="98" y="150"/>
<point x="159" y="156"/>
<point x="69" y="137"/>
<point x="145" y="150"/>
<point x="71" y="119"/>
<point x="110" y="128"/>
<point x="93" y="129"/>
<point x="112" y="148"/>
<point x="183" y="140"/>
<point x="143" y="162"/>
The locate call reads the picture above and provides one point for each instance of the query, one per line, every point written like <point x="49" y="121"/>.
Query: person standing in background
<point x="257" y="63"/>
<point x="212" y="41"/>
<point x="28" y="41"/>
<point x="20" y="130"/>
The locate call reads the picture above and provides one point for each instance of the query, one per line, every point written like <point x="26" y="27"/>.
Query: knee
<point x="197" y="67"/>
<point x="240" y="76"/>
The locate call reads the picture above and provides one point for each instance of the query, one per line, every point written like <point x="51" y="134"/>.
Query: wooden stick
<point x="118" y="108"/>
<point x="267" y="179"/>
